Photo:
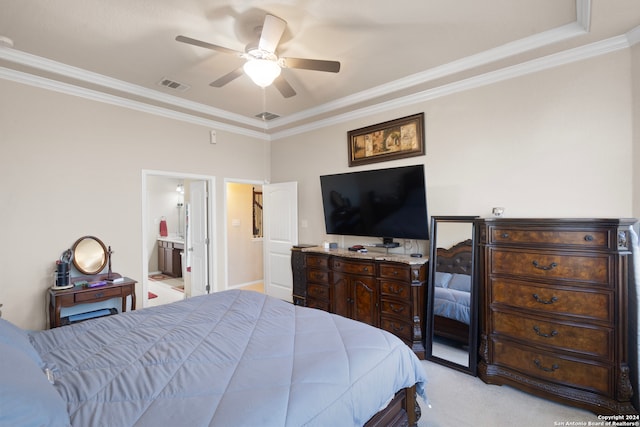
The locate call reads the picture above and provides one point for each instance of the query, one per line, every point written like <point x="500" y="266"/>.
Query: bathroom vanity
<point x="170" y="256"/>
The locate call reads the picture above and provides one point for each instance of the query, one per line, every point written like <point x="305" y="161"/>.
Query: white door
<point x="280" y="218"/>
<point x="199" y="239"/>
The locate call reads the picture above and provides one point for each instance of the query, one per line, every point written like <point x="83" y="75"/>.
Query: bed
<point x="452" y="292"/>
<point x="233" y="358"/>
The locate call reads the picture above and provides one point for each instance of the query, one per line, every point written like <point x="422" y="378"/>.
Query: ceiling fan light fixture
<point x="262" y="71"/>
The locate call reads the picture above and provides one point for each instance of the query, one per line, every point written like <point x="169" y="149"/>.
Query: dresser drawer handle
<point x="365" y="269"/>
<point x="553" y="367"/>
<point x="505" y="235"/>
<point x="396" y="328"/>
<point x="542" y="334"/>
<point x="396" y="308"/>
<point x="542" y="301"/>
<point x="394" y="289"/>
<point x="588" y="238"/>
<point x="544" y="267"/>
<point x="99" y="294"/>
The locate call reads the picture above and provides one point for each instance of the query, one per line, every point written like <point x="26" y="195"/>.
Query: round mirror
<point x="89" y="255"/>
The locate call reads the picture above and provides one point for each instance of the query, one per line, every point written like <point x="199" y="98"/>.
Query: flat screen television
<point x="384" y="203"/>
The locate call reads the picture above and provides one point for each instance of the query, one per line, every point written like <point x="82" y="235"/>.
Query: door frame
<point x="225" y="222"/>
<point x="210" y="219"/>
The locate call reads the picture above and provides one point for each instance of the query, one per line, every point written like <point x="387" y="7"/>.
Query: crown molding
<point x="565" y="32"/>
<point x="583" y="14"/>
<point x="551" y="61"/>
<point x="80" y="74"/>
<point x="69" y="89"/>
<point x="486" y="57"/>
<point x="633" y="36"/>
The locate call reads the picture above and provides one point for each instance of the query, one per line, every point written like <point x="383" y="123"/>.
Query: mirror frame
<point x="474" y="315"/>
<point x="84" y="267"/>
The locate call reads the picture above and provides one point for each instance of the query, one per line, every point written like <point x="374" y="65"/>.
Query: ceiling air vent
<point x="266" y="116"/>
<point x="172" y="84"/>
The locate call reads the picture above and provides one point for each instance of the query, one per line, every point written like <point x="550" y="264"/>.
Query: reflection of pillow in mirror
<point x="442" y="279"/>
<point x="460" y="282"/>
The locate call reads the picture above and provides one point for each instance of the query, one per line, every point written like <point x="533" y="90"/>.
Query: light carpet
<point x="460" y="400"/>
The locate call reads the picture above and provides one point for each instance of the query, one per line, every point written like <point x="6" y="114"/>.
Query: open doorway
<point x="177" y="215"/>
<point x="279" y="228"/>
<point x="244" y="235"/>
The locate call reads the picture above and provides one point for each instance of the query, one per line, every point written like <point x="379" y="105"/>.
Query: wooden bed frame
<point x="456" y="259"/>
<point x="402" y="411"/>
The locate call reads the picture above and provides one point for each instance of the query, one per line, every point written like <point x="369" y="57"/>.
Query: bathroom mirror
<point x="89" y="255"/>
<point x="452" y="304"/>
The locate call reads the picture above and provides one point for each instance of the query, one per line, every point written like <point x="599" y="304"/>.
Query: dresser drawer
<point x="553" y="367"/>
<point x="98" y="294"/>
<point x="318" y="261"/>
<point x="362" y="268"/>
<point x="319" y="304"/>
<point x="552" y="236"/>
<point x="592" y="269"/>
<point x="395" y="289"/>
<point x="591" y="341"/>
<point x="395" y="308"/>
<point x="318" y="291"/>
<point x="403" y="330"/>
<point x="562" y="301"/>
<point x="318" y="276"/>
<point x="395" y="271"/>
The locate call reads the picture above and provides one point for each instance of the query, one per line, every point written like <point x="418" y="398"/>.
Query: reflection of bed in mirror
<point x="452" y="292"/>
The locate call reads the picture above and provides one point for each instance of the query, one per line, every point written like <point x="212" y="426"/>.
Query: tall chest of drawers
<point x="554" y="309"/>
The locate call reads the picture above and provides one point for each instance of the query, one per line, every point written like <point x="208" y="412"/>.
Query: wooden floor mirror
<point x="452" y="303"/>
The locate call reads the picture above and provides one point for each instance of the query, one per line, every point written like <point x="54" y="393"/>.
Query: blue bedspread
<point x="234" y="358"/>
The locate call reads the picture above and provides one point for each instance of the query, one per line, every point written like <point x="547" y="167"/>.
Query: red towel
<point x="163" y="228"/>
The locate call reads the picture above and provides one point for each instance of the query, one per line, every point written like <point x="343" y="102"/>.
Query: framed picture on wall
<point x="395" y="139"/>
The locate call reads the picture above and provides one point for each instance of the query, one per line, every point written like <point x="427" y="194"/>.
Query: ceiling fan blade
<point x="311" y="64"/>
<point x="200" y="43"/>
<point x="272" y="31"/>
<point x="284" y="87"/>
<point x="227" y="78"/>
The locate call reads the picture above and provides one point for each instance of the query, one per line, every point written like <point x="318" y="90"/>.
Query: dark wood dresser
<point x="386" y="291"/>
<point x="554" y="309"/>
<point x="298" y="268"/>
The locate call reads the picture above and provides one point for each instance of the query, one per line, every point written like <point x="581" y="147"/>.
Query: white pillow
<point x="460" y="282"/>
<point x="442" y="279"/>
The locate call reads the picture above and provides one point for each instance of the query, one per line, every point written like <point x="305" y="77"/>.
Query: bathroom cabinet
<point x="170" y="258"/>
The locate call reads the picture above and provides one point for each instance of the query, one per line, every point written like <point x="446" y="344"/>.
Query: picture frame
<point x="391" y="140"/>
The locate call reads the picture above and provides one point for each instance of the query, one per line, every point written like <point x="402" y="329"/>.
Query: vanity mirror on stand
<point x="89" y="255"/>
<point x="452" y="303"/>
<point x="87" y="290"/>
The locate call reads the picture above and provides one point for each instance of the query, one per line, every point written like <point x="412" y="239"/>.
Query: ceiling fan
<point x="263" y="64"/>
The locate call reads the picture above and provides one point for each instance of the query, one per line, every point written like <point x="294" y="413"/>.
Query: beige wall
<point x="72" y="167"/>
<point x="244" y="251"/>
<point x="554" y="143"/>
<point x="635" y="75"/>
